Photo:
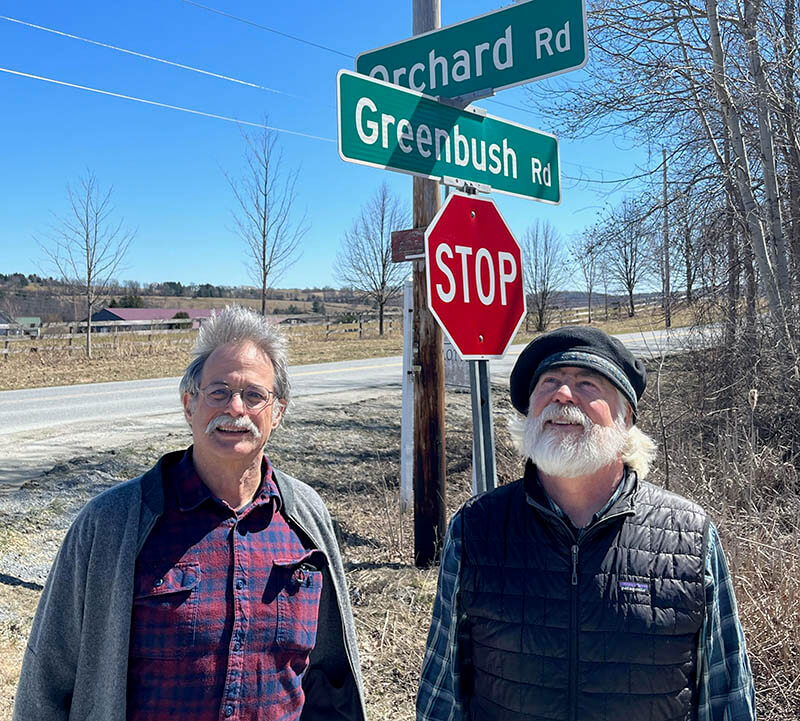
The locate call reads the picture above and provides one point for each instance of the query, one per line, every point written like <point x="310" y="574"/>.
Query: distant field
<point x="129" y="357"/>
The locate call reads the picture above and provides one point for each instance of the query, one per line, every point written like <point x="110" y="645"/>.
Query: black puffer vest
<point x="604" y="627"/>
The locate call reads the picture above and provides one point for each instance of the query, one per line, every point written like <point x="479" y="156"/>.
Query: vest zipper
<point x="573" y="597"/>
<point x="575" y="565"/>
<point x="573" y="624"/>
<point x="573" y="638"/>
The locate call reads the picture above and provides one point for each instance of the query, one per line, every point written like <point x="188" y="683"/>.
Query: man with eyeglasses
<point x="209" y="588"/>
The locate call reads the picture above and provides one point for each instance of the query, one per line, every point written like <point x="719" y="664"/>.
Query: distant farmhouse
<point x="116" y="318"/>
<point x="31" y="325"/>
<point x="138" y="316"/>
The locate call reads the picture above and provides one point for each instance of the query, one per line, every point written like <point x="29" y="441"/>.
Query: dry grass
<point x="359" y="481"/>
<point x="741" y="464"/>
<point x="18" y="603"/>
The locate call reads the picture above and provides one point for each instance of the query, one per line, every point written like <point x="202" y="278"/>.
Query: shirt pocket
<point x="165" y="612"/>
<point x="297" y="585"/>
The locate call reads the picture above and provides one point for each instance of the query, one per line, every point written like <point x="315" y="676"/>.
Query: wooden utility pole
<point x="429" y="447"/>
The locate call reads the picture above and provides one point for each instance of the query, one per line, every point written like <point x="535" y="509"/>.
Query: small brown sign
<point x="408" y="245"/>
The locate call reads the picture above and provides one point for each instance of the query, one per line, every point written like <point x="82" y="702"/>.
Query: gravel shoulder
<point x="346" y="446"/>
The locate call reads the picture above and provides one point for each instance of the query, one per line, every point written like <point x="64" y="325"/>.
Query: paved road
<point x="42" y="426"/>
<point x="38" y="408"/>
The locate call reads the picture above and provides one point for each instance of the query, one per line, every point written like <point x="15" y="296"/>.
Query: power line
<point x="216" y="116"/>
<point x="240" y="82"/>
<point x="332" y="50"/>
<point x="271" y="30"/>
<point x="166" y="105"/>
<point x="317" y="45"/>
<point x="623" y="179"/>
<point x="346" y="55"/>
<point x="148" y="57"/>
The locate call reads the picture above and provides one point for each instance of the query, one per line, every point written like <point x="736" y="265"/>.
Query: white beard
<point x="572" y="454"/>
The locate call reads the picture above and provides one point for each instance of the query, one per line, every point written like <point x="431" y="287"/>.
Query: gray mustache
<point x="571" y="414"/>
<point x="240" y="422"/>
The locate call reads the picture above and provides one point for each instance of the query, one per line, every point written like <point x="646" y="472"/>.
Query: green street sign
<point x="386" y="126"/>
<point x="522" y="42"/>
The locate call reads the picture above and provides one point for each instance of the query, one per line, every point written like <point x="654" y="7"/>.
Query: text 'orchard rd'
<point x="500" y="49"/>
<point x="386" y="126"/>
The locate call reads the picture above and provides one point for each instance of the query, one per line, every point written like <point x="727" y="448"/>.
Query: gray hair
<point x="238" y="324"/>
<point x="640" y="449"/>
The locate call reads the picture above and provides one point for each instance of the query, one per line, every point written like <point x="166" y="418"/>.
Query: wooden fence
<point x="66" y="337"/>
<point x="617" y="308"/>
<point x="358" y="326"/>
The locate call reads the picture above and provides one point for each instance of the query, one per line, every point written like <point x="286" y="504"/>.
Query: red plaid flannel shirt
<point x="225" y="608"/>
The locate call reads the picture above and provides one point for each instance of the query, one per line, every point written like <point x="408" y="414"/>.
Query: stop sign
<point x="474" y="271"/>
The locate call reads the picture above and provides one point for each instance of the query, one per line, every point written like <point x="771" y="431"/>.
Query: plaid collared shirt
<point x="225" y="608"/>
<point x="725" y="689"/>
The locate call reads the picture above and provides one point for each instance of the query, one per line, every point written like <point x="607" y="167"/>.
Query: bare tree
<point x="544" y="269"/>
<point x="625" y="243"/>
<point x="265" y="221"/>
<point x="86" y="246"/>
<point x="585" y="250"/>
<point x="716" y="81"/>
<point x="364" y="260"/>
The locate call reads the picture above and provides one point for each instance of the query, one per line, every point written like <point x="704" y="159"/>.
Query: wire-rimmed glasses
<point x="254" y="398"/>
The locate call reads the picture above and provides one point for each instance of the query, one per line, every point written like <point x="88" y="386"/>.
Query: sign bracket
<point x="463" y="102"/>
<point x="466" y="186"/>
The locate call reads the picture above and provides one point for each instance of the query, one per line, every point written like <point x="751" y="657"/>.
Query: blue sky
<point x="166" y="167"/>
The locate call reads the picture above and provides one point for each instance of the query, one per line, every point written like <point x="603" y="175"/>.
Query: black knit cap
<point x="584" y="347"/>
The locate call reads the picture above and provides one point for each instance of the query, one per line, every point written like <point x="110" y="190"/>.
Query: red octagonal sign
<point x="474" y="272"/>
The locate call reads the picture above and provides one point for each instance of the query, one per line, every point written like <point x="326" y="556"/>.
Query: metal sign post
<point x="482" y="427"/>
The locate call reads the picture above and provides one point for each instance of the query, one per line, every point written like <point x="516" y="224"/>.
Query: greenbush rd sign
<point x="387" y="126"/>
<point x="507" y="47"/>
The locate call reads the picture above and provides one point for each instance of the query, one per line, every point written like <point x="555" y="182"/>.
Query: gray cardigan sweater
<point x="75" y="665"/>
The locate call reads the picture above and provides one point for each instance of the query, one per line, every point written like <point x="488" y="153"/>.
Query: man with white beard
<point x="581" y="591"/>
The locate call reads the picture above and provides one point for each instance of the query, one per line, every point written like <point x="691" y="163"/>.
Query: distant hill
<point x="52" y="300"/>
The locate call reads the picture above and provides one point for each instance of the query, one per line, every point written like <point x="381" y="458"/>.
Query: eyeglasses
<point x="255" y="398"/>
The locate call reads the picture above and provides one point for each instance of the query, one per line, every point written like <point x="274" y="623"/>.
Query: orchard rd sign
<point x="498" y="50"/>
<point x="387" y="126"/>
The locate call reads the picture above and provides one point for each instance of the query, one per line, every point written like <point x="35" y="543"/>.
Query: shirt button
<point x="240" y="584"/>
<point x="237" y="646"/>
<point x="228" y="711"/>
<point x="158" y="582"/>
